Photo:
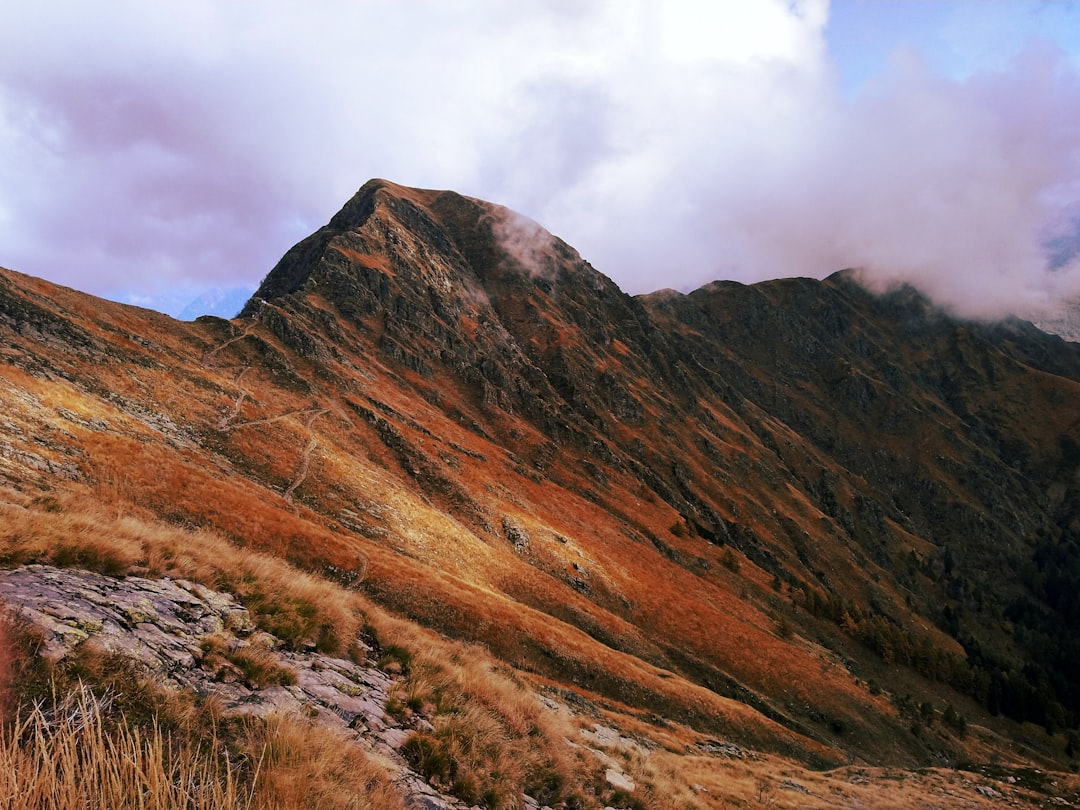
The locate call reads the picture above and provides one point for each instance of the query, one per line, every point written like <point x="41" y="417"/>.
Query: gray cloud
<point x="140" y="152"/>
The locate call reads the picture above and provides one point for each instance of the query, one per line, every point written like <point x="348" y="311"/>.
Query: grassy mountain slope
<point x="830" y="526"/>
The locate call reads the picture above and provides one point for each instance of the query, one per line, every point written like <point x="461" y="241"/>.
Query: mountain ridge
<point x="792" y="512"/>
<point x="606" y="403"/>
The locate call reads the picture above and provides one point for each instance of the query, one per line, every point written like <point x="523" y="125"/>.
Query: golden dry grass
<point x="75" y="755"/>
<point x="300" y="764"/>
<point x="492" y="739"/>
<point x="69" y="758"/>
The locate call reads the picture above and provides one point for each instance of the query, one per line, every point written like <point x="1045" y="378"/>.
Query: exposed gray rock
<point x="722" y="749"/>
<point x="791" y="785"/>
<point x="608" y="737"/>
<point x="601" y="738"/>
<point x="619" y="780"/>
<point x="183" y="634"/>
<point x="515" y="533"/>
<point x="35" y="461"/>
<point x="97" y="425"/>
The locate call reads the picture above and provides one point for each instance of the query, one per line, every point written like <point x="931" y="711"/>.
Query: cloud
<point x="670" y="142"/>
<point x="526" y="242"/>
<point x="952" y="185"/>
<point x="975" y="173"/>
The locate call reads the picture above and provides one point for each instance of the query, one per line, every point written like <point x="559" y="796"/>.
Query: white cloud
<point x="144" y="147"/>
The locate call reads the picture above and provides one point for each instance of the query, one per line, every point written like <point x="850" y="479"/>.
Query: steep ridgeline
<point x="865" y="449"/>
<point x="792" y="513"/>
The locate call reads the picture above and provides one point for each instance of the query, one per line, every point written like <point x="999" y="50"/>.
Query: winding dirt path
<point x="305" y="457"/>
<point x="223" y="423"/>
<point x="227" y="422"/>
<point x="209" y="354"/>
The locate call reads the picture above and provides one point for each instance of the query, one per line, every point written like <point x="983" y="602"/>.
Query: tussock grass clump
<point x="256" y="665"/>
<point x="491" y="738"/>
<point x="301" y="764"/>
<point x="70" y="757"/>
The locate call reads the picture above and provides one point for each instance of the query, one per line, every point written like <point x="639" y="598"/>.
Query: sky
<point x="151" y="151"/>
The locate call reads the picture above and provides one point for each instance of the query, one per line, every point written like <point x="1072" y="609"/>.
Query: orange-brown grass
<point x="499" y="734"/>
<point x="718" y="626"/>
<point x="368" y="260"/>
<point x="151" y="477"/>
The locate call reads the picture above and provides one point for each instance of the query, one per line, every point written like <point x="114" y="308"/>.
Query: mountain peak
<point x="449" y="285"/>
<point x="377" y="191"/>
<point x="754" y="512"/>
<point x="396" y="229"/>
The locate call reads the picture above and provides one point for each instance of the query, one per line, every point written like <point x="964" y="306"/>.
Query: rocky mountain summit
<point x="794" y="517"/>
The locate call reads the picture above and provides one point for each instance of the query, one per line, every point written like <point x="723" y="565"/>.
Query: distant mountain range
<point x="222" y="302"/>
<point x="1066" y="325"/>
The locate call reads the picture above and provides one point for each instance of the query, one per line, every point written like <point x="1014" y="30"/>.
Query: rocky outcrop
<point x="187" y="636"/>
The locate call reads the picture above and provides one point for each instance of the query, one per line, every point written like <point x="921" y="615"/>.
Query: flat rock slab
<point x="163" y="624"/>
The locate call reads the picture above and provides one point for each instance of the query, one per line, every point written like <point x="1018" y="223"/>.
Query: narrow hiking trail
<point x="223" y="423"/>
<point x="305" y="457"/>
<point x="209" y="354"/>
<point x="229" y="421"/>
